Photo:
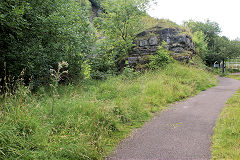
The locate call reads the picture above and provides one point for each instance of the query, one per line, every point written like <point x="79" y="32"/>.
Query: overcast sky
<point x="225" y="12"/>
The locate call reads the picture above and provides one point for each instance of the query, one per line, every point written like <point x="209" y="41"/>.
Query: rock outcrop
<point x="147" y="42"/>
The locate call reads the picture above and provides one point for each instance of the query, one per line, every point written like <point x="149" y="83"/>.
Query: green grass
<point x="226" y="138"/>
<point x="237" y="77"/>
<point x="91" y="118"/>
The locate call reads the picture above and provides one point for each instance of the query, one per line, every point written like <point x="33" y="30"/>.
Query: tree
<point x="37" y="34"/>
<point x="226" y="49"/>
<point x="120" y="23"/>
<point x="198" y="38"/>
<point x="219" y="48"/>
<point x="210" y="29"/>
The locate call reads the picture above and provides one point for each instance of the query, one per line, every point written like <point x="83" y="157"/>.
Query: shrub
<point x="120" y="23"/>
<point x="102" y="60"/>
<point x="37" y="34"/>
<point x="161" y="59"/>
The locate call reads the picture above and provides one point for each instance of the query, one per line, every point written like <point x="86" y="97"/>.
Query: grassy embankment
<point x="226" y="138"/>
<point x="90" y="119"/>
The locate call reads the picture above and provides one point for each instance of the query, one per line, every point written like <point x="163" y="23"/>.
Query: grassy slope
<point x="91" y="118"/>
<point x="226" y="139"/>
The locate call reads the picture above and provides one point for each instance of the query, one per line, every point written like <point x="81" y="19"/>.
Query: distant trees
<point x="210" y="29"/>
<point x="219" y="48"/>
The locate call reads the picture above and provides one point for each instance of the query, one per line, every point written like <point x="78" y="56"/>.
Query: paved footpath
<point x="182" y="132"/>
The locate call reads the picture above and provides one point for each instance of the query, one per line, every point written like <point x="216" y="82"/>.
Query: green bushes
<point x="89" y="119"/>
<point x="102" y="61"/>
<point x="36" y="35"/>
<point x="161" y="59"/>
<point x="119" y="24"/>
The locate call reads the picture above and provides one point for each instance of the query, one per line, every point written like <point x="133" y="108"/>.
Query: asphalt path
<point x="237" y="74"/>
<point x="182" y="132"/>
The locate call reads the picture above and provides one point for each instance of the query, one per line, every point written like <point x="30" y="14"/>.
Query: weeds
<point x="56" y="77"/>
<point x="91" y="118"/>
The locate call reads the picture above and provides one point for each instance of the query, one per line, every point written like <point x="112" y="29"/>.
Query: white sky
<point x="225" y="12"/>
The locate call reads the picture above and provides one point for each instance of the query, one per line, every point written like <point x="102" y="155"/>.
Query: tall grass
<point x="92" y="117"/>
<point x="226" y="138"/>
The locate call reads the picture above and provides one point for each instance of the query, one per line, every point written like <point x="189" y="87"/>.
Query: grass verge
<point x="226" y="138"/>
<point x="90" y="119"/>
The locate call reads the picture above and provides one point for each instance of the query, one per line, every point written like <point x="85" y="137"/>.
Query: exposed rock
<point x="147" y="43"/>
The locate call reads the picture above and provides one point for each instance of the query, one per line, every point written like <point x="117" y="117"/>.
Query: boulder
<point x="147" y="42"/>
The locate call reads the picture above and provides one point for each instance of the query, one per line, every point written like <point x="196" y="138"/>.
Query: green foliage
<point x="210" y="29"/>
<point x="56" y="77"/>
<point x="233" y="70"/>
<point x="103" y="60"/>
<point x="150" y="22"/>
<point x="129" y="73"/>
<point x="198" y="62"/>
<point x="219" y="48"/>
<point x="200" y="43"/>
<point x="90" y="118"/>
<point x="120" y="23"/>
<point x="36" y="35"/>
<point x="86" y="70"/>
<point x="160" y="59"/>
<point x="223" y="50"/>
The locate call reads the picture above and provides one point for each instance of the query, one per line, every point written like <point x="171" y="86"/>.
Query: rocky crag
<point x="147" y="42"/>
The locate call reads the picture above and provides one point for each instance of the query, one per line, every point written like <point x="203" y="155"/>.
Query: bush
<point x="129" y="73"/>
<point x="102" y="60"/>
<point x="161" y="59"/>
<point x="120" y="23"/>
<point x="37" y="34"/>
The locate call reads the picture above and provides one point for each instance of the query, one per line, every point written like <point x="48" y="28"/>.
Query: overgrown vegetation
<point x="161" y="58"/>
<point x="89" y="119"/>
<point x="36" y="35"/>
<point x="226" y="138"/>
<point x="119" y="24"/>
<point x="50" y="43"/>
<point x="150" y="22"/>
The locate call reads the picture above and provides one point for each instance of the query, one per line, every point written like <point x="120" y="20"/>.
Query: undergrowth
<point x="92" y="117"/>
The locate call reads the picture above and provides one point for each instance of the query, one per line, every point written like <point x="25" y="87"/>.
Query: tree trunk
<point x="223" y="67"/>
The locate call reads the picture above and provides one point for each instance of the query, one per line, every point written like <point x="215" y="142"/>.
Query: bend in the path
<point x="183" y="132"/>
<point x="237" y="73"/>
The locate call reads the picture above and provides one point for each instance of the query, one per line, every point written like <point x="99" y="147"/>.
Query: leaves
<point x="37" y="34"/>
<point x="209" y="44"/>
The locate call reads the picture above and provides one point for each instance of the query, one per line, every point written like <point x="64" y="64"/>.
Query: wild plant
<point x="86" y="70"/>
<point x="128" y="72"/>
<point x="56" y="77"/>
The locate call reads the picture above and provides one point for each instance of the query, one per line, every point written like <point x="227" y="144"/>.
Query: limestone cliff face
<point x="147" y="43"/>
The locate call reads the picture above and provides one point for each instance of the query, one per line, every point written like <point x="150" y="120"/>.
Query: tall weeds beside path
<point x="91" y="118"/>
